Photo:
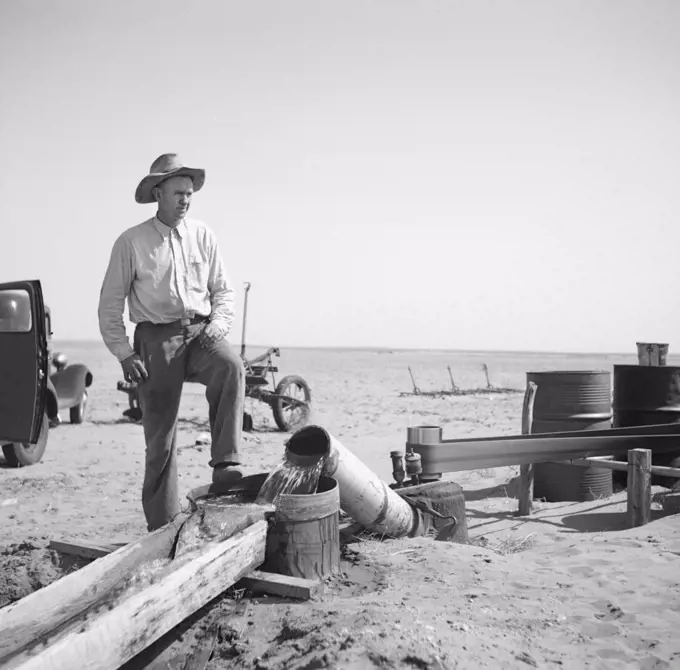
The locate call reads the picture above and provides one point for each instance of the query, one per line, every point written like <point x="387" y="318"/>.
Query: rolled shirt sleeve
<point x="115" y="290"/>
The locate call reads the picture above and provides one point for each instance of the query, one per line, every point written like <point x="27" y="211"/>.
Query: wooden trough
<point x="106" y="613"/>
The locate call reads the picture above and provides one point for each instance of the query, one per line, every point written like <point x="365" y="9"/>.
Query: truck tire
<point x="20" y="455"/>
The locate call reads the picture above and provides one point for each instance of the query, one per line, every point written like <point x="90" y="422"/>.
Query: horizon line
<point x="390" y="349"/>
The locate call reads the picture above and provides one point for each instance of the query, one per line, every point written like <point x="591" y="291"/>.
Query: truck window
<point x="15" y="311"/>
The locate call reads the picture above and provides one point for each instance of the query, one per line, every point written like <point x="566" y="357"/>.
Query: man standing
<point x="170" y="271"/>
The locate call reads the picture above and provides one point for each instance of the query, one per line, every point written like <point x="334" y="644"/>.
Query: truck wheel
<point x="77" y="413"/>
<point x="18" y="455"/>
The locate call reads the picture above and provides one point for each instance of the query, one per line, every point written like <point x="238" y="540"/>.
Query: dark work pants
<point x="173" y="355"/>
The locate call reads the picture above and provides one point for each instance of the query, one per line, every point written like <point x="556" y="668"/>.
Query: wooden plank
<point x="598" y="463"/>
<point x="80" y="548"/>
<point x="665" y="471"/>
<point x="34" y="616"/>
<point x="117" y="631"/>
<point x="639" y="487"/>
<point x="622" y="466"/>
<point x="526" y="471"/>
<point x="282" y="585"/>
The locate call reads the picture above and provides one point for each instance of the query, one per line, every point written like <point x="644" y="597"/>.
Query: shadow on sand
<point x="595" y="519"/>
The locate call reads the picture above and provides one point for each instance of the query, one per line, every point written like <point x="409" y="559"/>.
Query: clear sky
<point x="479" y="175"/>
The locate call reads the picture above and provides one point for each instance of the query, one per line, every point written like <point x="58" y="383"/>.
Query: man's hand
<point x="210" y="334"/>
<point x="134" y="370"/>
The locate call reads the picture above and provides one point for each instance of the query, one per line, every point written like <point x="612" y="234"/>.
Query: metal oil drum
<point x="569" y="401"/>
<point x="643" y="396"/>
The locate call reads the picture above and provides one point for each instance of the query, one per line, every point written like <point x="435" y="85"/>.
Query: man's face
<point x="174" y="197"/>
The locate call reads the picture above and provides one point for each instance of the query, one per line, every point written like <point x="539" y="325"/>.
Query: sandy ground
<point x="568" y="587"/>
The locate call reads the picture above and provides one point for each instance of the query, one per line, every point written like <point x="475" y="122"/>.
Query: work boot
<point x="227" y="474"/>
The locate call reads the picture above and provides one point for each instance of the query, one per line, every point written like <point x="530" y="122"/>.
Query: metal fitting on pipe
<point x="418" y="436"/>
<point x="398" y="471"/>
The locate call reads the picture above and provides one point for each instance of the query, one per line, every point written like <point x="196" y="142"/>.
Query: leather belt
<point x="191" y="321"/>
<point x="184" y="322"/>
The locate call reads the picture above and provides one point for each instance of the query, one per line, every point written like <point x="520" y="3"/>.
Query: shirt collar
<point x="166" y="230"/>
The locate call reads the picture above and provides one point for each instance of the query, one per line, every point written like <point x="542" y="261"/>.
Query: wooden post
<point x="486" y="373"/>
<point x="526" y="479"/>
<point x="416" y="390"/>
<point x="639" y="487"/>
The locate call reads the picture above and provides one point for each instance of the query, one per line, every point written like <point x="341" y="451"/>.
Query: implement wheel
<point x="294" y="413"/>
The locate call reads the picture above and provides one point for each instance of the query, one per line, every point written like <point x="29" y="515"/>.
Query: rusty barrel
<point x="570" y="400"/>
<point x="304" y="540"/>
<point x="643" y="396"/>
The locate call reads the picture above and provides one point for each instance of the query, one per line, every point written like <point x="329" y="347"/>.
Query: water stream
<point x="290" y="479"/>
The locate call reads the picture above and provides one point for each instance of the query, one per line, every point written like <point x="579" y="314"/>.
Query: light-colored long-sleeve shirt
<point x="165" y="274"/>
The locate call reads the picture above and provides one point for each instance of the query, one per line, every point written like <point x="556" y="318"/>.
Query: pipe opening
<point x="308" y="446"/>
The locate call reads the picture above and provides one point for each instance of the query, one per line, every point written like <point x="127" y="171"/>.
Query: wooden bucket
<point x="304" y="535"/>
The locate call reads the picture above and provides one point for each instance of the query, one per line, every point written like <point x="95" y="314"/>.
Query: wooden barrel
<point x="304" y="535"/>
<point x="644" y="396"/>
<point x="571" y="400"/>
<point x="445" y="497"/>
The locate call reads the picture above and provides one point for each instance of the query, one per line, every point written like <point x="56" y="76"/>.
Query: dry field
<point x="569" y="587"/>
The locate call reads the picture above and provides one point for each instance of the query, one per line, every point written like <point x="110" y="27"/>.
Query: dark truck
<point x="31" y="395"/>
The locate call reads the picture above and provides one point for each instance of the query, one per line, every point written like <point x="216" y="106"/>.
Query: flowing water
<point x="221" y="516"/>
<point x="290" y="479"/>
<point x="217" y="519"/>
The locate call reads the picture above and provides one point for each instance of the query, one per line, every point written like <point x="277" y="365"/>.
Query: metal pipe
<point x="477" y="453"/>
<point x="649" y="430"/>
<point x="363" y="495"/>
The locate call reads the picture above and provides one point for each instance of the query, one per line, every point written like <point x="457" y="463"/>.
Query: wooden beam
<point x="117" y="631"/>
<point x="257" y="581"/>
<point x="34" y="616"/>
<point x="665" y="471"/>
<point x="639" y="487"/>
<point x="282" y="585"/>
<point x="81" y="549"/>
<point x="622" y="466"/>
<point x="526" y="471"/>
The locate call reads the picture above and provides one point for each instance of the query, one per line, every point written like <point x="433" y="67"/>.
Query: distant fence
<point x="455" y="389"/>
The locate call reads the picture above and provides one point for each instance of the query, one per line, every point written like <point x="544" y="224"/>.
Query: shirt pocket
<point x="197" y="269"/>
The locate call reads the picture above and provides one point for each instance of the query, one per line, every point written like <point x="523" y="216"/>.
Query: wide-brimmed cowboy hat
<point x="164" y="167"/>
